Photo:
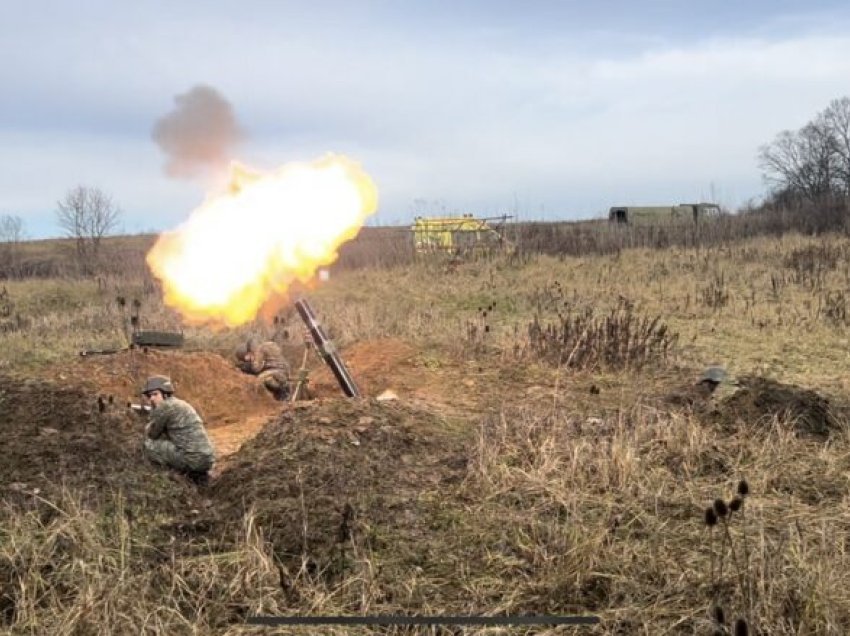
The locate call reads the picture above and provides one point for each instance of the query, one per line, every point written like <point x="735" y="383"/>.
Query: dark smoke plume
<point x="199" y="134"/>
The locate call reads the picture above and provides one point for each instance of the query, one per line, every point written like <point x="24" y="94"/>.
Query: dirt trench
<point x="70" y="431"/>
<point x="235" y="406"/>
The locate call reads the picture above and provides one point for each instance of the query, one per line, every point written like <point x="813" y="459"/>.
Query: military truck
<point x="684" y="213"/>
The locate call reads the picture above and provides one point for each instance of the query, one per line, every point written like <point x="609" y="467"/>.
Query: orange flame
<point x="246" y="246"/>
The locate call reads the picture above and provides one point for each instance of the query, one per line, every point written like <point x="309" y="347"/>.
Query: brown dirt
<point x="221" y="393"/>
<point x="448" y="385"/>
<point x="376" y="366"/>
<point x="229" y="438"/>
<point x="761" y="399"/>
<point x="234" y="405"/>
<point x="61" y="434"/>
<point x="304" y="470"/>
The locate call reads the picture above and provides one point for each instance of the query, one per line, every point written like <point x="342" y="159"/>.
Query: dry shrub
<point x="383" y="247"/>
<point x="10" y="320"/>
<point x="715" y="294"/>
<point x="476" y="337"/>
<point x="7" y="307"/>
<point x="723" y="517"/>
<point x="812" y="263"/>
<point x="832" y="306"/>
<point x="582" y="338"/>
<point x="15" y="323"/>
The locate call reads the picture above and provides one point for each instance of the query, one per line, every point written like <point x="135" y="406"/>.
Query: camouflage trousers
<point x="276" y="382"/>
<point x="165" y="453"/>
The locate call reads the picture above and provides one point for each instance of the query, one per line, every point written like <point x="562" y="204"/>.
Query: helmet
<point x="715" y="375"/>
<point x="158" y="383"/>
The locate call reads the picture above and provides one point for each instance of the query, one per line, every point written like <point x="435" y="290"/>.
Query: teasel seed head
<point x="719" y="616"/>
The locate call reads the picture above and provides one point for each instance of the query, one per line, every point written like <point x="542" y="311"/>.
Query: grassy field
<point x="547" y="452"/>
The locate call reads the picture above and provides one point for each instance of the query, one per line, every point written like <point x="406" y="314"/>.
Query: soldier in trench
<point x="175" y="435"/>
<point x="266" y="361"/>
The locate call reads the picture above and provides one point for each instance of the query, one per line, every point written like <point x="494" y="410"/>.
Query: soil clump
<point x="758" y="399"/>
<point x="330" y="470"/>
<point x="212" y="384"/>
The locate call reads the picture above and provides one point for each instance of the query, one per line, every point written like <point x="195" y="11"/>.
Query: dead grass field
<point x="547" y="453"/>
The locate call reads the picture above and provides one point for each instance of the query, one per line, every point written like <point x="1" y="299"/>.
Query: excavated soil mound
<point x="221" y="393"/>
<point x="375" y="365"/>
<point x="57" y="437"/>
<point x="759" y="399"/>
<point x="389" y="364"/>
<point x="330" y="468"/>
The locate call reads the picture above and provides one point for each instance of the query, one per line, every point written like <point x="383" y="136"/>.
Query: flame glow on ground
<point x="248" y="244"/>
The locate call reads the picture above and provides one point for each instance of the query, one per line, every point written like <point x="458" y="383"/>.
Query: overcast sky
<point x="553" y="110"/>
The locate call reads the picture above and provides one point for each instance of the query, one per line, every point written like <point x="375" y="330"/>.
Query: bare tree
<point x="813" y="162"/>
<point x="819" y="167"/>
<point x="86" y="215"/>
<point x="11" y="235"/>
<point x="11" y="229"/>
<point x="781" y="162"/>
<point x="800" y="162"/>
<point x="837" y="117"/>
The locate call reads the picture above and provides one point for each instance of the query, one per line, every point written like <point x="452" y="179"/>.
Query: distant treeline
<point x="393" y="246"/>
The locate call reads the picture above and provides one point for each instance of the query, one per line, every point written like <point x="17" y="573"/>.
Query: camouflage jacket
<point x="267" y="356"/>
<point x="177" y="421"/>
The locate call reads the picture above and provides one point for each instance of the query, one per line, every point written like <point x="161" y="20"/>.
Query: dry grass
<point x="555" y="515"/>
<point x="614" y="509"/>
<point x="570" y="502"/>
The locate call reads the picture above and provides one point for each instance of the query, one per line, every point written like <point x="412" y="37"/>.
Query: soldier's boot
<point x="277" y="383"/>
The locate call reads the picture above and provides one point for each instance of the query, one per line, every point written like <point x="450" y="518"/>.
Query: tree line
<point x="85" y="215"/>
<point x="812" y="163"/>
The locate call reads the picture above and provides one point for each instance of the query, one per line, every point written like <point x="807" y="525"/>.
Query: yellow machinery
<point x="457" y="235"/>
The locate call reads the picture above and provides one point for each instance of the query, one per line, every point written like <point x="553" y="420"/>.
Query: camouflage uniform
<point x="176" y="437"/>
<point x="269" y="364"/>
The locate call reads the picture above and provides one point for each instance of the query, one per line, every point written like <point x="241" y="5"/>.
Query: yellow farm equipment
<point x="458" y="235"/>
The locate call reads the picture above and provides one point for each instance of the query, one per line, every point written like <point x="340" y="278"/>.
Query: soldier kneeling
<point x="267" y="362"/>
<point x="175" y="433"/>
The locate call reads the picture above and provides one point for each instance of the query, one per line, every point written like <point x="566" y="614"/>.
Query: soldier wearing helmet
<point x="712" y="387"/>
<point x="266" y="361"/>
<point x="711" y="378"/>
<point x="175" y="433"/>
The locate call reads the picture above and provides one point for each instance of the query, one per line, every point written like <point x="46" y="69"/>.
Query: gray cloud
<point x="200" y="134"/>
